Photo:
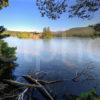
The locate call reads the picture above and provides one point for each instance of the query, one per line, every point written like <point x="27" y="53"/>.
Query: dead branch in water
<point x="15" y="83"/>
<point x="41" y="88"/>
<point x="31" y="80"/>
<point x="84" y="72"/>
<point x="39" y="85"/>
<point x="33" y="83"/>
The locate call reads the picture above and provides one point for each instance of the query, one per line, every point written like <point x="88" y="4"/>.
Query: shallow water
<point x="60" y="58"/>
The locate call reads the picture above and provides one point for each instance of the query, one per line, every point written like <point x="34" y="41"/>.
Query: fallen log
<point x="41" y="88"/>
<point x="29" y="79"/>
<point x="15" y="83"/>
<point x="36" y="85"/>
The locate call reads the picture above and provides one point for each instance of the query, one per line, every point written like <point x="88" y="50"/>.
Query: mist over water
<point x="60" y="58"/>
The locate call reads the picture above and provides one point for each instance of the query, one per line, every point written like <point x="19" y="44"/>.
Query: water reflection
<point x="60" y="58"/>
<point x="70" y="52"/>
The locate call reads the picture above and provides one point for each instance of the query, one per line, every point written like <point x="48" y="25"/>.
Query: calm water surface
<point x="60" y="58"/>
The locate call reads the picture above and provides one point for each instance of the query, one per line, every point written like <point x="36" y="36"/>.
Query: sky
<point x="23" y="15"/>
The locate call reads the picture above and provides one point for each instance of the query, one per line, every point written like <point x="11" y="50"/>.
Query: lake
<point x="58" y="59"/>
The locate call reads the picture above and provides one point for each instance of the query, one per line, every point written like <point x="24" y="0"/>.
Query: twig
<point x="21" y="96"/>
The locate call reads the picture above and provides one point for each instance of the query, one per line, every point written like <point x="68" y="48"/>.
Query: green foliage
<point x="91" y="95"/>
<point x="3" y="3"/>
<point x="22" y="34"/>
<point x="47" y="33"/>
<point x="6" y="70"/>
<point x="26" y="34"/>
<point x="6" y="51"/>
<point x="7" y="57"/>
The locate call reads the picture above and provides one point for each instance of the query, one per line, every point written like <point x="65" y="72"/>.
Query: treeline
<point x="35" y="35"/>
<point x="22" y="34"/>
<point x="96" y="27"/>
<point x="47" y="33"/>
<point x="89" y="31"/>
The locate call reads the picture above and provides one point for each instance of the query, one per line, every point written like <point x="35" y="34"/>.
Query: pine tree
<point x="47" y="33"/>
<point x="7" y="56"/>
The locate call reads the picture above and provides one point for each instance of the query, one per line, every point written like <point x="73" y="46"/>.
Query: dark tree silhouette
<point x="3" y="3"/>
<point x="84" y="8"/>
<point x="80" y="8"/>
<point x="7" y="56"/>
<point x="2" y="29"/>
<point x="97" y="27"/>
<point x="54" y="8"/>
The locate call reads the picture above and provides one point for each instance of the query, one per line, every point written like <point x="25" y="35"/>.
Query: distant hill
<point x="79" y="32"/>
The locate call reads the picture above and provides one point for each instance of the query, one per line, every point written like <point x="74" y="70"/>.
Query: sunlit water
<point x="60" y="58"/>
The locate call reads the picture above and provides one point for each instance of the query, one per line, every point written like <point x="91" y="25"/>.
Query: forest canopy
<point x="54" y="8"/>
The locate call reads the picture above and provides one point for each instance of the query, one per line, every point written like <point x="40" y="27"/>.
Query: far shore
<point x="83" y="32"/>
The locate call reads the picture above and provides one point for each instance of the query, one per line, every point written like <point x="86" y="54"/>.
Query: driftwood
<point x="33" y="83"/>
<point x="41" y="88"/>
<point x="21" y="96"/>
<point x="15" y="83"/>
<point x="38" y="84"/>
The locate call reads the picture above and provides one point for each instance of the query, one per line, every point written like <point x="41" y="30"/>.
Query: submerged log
<point x="33" y="83"/>
<point x="41" y="88"/>
<point x="39" y="85"/>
